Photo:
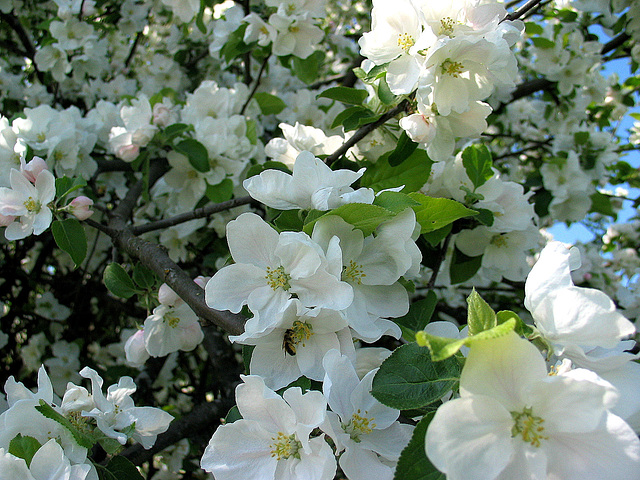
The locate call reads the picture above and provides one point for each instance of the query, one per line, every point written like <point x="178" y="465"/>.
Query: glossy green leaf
<point x="81" y="438"/>
<point x="24" y="447"/>
<point x="413" y="463"/>
<point x="195" y="152"/>
<point x="361" y="215"/>
<point x="419" y="314"/>
<point x="442" y="348"/>
<point x="478" y="164"/>
<point x="403" y="150"/>
<point x="70" y="236"/>
<point x="269" y="104"/>
<point x="410" y="379"/>
<point x="480" y="316"/>
<point x="118" y="281"/>
<point x="411" y="174"/>
<point x="351" y="96"/>
<point x="435" y="213"/>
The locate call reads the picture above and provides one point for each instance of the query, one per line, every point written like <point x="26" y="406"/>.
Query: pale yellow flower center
<point x="528" y="426"/>
<point x="359" y="424"/>
<point x="452" y="68"/>
<point x="278" y="278"/>
<point x="446" y="26"/>
<point x="285" y="446"/>
<point x="32" y="206"/>
<point x="353" y="272"/>
<point x="171" y="319"/>
<point x="405" y="41"/>
<point x="499" y="241"/>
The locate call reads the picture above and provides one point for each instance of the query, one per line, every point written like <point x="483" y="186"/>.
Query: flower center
<point x="358" y="425"/>
<point x="277" y="278"/>
<point x="32" y="206"/>
<point x="528" y="426"/>
<point x="354" y="272"/>
<point x="285" y="446"/>
<point x="446" y="26"/>
<point x="299" y="332"/>
<point x="171" y="319"/>
<point x="499" y="241"/>
<point x="451" y="68"/>
<point x="405" y="41"/>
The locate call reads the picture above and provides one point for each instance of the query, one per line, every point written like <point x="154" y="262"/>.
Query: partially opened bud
<point x="80" y="207"/>
<point x="32" y="169"/>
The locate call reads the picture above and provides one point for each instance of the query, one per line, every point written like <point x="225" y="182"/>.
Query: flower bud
<point x="32" y="169"/>
<point x="80" y="207"/>
<point x="135" y="350"/>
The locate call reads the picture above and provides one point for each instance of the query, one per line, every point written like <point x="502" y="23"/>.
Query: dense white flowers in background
<point x="314" y="235"/>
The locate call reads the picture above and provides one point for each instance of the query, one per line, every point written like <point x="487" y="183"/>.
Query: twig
<point x="132" y="52"/>
<point x="436" y="267"/>
<point x="185" y="217"/>
<point x="531" y="4"/>
<point x="365" y="130"/>
<point x="256" y="85"/>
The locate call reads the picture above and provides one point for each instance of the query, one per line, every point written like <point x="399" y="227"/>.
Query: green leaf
<point x="581" y="138"/>
<point x="395" y="202"/>
<point x="252" y="131"/>
<point x="434" y="238"/>
<point x="220" y="192"/>
<point x="70" y="237"/>
<point x="269" y="104"/>
<point x="385" y="94"/>
<point x="351" y="96"/>
<point x="462" y="268"/>
<point x="521" y="328"/>
<point x="442" y="348"/>
<point x="542" y="42"/>
<point x="485" y="216"/>
<point x="480" y="316"/>
<point x="268" y="165"/>
<point x="289" y="220"/>
<point x="235" y="44"/>
<point x="419" y="314"/>
<point x="413" y="173"/>
<point x="403" y="150"/>
<point x="24" y="447"/>
<point x="359" y="118"/>
<point x="478" y="164"/>
<point x="347" y="114"/>
<point x="247" y="352"/>
<point x="532" y="28"/>
<point x="409" y="379"/>
<point x="232" y="415"/>
<point x="435" y="213"/>
<point x="122" y="469"/>
<point x="66" y="185"/>
<point x="601" y="203"/>
<point x="361" y="215"/>
<point x="175" y="129"/>
<point x="378" y="71"/>
<point x="196" y="153"/>
<point x="307" y="69"/>
<point x="47" y="410"/>
<point x="118" y="281"/>
<point x="144" y="276"/>
<point x="413" y="463"/>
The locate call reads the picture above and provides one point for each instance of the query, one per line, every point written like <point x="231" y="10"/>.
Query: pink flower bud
<point x="128" y="153"/>
<point x="79" y="207"/>
<point x="32" y="169"/>
<point x="201" y="281"/>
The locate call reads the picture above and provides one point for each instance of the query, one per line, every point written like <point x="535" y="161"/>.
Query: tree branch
<point x="530" y="5"/>
<point x="197" y="213"/>
<point x="256" y="85"/>
<point x="365" y="130"/>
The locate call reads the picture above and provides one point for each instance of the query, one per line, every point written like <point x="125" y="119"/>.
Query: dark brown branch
<point x="436" y="267"/>
<point x="530" y="5"/>
<point x="155" y="257"/>
<point x="255" y="85"/>
<point x="614" y="43"/>
<point x="132" y="52"/>
<point x="185" y="217"/>
<point x="365" y="130"/>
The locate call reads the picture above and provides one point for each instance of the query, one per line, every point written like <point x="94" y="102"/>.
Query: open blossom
<point x="512" y="420"/>
<point x="271" y="441"/>
<point x="29" y="202"/>
<point x="48" y="463"/>
<point x="313" y="185"/>
<point x="271" y="268"/>
<point x="367" y="431"/>
<point x="116" y="411"/>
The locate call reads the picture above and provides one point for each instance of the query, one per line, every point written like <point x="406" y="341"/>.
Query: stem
<point x="132" y="52"/>
<point x="531" y="4"/>
<point x="436" y="268"/>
